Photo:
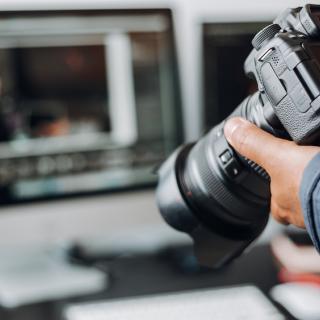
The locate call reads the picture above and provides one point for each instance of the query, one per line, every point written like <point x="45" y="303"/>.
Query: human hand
<point x="283" y="160"/>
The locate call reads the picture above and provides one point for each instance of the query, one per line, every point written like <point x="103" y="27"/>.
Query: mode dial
<point x="265" y="34"/>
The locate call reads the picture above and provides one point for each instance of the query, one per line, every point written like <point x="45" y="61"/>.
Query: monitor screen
<point x="225" y="48"/>
<point x="53" y="91"/>
<point x="89" y="100"/>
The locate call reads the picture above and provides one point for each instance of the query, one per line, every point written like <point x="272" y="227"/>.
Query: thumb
<point x="252" y="142"/>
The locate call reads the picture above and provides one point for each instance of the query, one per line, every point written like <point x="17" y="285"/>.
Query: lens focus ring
<point x="214" y="190"/>
<point x="257" y="169"/>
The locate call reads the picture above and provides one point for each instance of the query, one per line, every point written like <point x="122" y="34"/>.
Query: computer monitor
<point x="89" y="100"/>
<point x="89" y="105"/>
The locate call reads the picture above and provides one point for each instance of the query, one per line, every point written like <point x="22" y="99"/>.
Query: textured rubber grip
<point x="257" y="169"/>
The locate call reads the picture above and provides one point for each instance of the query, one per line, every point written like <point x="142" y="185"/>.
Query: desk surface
<point x="146" y="274"/>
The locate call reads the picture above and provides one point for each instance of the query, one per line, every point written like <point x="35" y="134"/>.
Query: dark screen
<point x="315" y="49"/>
<point x="61" y="72"/>
<point x="226" y="46"/>
<point x="53" y="91"/>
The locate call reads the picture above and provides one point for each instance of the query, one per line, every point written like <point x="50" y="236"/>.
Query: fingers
<point x="252" y="142"/>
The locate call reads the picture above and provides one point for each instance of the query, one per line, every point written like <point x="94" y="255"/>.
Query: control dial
<point x="265" y="34"/>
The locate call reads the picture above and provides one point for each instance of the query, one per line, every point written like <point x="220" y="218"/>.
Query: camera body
<point x="286" y="68"/>
<point x="218" y="197"/>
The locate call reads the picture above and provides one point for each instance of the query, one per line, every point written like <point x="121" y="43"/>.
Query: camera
<point x="208" y="190"/>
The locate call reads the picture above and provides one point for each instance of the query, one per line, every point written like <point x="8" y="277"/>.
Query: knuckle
<point x="283" y="215"/>
<point x="278" y="214"/>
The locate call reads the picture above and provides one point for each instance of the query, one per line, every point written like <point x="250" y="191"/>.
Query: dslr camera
<point x="207" y="189"/>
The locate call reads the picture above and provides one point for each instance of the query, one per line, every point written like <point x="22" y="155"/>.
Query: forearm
<point x="310" y="199"/>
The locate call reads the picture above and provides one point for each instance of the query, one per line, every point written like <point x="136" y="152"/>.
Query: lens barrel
<point x="208" y="189"/>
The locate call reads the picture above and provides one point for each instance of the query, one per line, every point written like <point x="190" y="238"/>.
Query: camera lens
<point x="208" y="186"/>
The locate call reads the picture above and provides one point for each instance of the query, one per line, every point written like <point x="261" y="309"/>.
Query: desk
<point x="146" y="274"/>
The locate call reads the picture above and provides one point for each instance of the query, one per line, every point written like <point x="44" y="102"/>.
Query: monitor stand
<point x="37" y="275"/>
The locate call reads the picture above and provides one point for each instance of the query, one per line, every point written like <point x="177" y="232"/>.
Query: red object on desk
<point x="287" y="276"/>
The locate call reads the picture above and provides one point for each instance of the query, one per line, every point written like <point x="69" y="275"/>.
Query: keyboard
<point x="234" y="303"/>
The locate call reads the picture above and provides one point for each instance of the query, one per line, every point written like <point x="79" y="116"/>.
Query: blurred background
<point x="94" y="95"/>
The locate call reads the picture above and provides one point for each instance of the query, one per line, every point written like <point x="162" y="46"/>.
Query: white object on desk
<point x="43" y="276"/>
<point x="236" y="303"/>
<point x="301" y="300"/>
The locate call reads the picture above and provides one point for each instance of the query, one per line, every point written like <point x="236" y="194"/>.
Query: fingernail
<point x="231" y="126"/>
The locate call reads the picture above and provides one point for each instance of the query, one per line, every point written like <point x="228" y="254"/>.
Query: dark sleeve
<point x="310" y="199"/>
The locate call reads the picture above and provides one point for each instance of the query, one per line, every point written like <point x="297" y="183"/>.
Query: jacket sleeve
<point x="310" y="199"/>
